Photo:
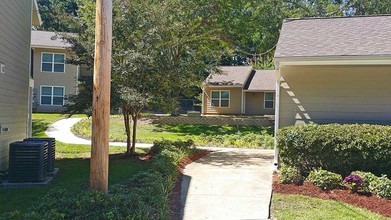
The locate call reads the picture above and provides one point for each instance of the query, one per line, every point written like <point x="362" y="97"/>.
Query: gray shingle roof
<point x="47" y="39"/>
<point x="342" y="36"/>
<point x="230" y="76"/>
<point x="263" y="80"/>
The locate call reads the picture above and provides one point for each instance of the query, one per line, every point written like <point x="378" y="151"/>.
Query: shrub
<point x="383" y="189"/>
<point x="355" y="181"/>
<point x="370" y="181"/>
<point x="325" y="179"/>
<point x="146" y="196"/>
<point x="290" y="175"/>
<point x="337" y="148"/>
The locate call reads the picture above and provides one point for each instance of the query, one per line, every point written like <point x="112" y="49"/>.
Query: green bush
<point x="383" y="189"/>
<point x="290" y="175"/>
<point x="325" y="179"/>
<point x="337" y="148"/>
<point x="370" y="181"/>
<point x="146" y="196"/>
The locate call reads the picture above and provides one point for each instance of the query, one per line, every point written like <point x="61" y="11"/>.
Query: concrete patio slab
<point x="228" y="184"/>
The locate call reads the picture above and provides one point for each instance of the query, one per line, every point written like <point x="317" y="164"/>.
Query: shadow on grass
<point x="73" y="176"/>
<point x="211" y="129"/>
<point x="39" y="127"/>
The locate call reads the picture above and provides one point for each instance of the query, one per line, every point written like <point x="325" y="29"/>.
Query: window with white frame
<point x="53" y="62"/>
<point x="220" y="98"/>
<point x="269" y="100"/>
<point x="52" y="95"/>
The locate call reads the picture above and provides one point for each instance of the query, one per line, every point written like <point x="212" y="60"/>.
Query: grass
<point x="73" y="161"/>
<point x="147" y="133"/>
<point x="305" y="207"/>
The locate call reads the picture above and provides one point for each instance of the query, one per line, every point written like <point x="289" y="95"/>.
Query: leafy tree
<point x="58" y="15"/>
<point x="161" y="50"/>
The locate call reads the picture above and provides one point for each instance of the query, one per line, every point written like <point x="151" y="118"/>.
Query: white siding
<point x="335" y="94"/>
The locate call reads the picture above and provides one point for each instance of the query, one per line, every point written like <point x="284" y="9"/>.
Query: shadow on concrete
<point x="184" y="191"/>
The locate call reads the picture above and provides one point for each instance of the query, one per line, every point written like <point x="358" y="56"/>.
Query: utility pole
<point x="99" y="166"/>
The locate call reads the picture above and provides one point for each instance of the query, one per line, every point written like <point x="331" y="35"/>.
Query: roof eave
<point x="50" y="47"/>
<point x="333" y="60"/>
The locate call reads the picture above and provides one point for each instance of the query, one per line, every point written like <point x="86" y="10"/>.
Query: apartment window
<point x="53" y="62"/>
<point x="269" y="100"/>
<point x="220" y="98"/>
<point x="52" y="95"/>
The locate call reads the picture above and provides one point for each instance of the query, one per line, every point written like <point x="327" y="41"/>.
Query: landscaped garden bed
<point x="370" y="202"/>
<point x="325" y="161"/>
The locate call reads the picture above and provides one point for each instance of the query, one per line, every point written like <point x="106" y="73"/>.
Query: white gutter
<point x="334" y="60"/>
<point x="203" y="101"/>
<point x="277" y="113"/>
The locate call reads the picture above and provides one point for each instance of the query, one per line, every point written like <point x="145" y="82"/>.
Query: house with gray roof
<point x="239" y="90"/>
<point x="54" y="79"/>
<point x="334" y="70"/>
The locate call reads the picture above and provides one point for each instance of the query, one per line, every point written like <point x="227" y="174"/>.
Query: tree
<point x="161" y="50"/>
<point x="58" y="15"/>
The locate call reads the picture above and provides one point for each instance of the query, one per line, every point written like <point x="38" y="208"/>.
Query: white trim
<point x="230" y="86"/>
<point x="52" y="62"/>
<point x="35" y="7"/>
<point x="229" y="98"/>
<point x="264" y="100"/>
<point x="333" y="60"/>
<point x="50" y="47"/>
<point x="203" y="101"/>
<point x="259" y="90"/>
<point x="51" y="96"/>
<point x="277" y="115"/>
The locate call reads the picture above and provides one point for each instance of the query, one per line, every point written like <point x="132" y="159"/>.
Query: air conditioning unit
<point x="51" y="147"/>
<point x="28" y="161"/>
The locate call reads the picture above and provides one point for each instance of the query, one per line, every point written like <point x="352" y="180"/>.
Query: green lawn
<point x="73" y="162"/>
<point x="305" y="207"/>
<point x="201" y="134"/>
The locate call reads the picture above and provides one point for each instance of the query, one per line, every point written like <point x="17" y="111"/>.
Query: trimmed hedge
<point x="337" y="148"/>
<point x="325" y="179"/>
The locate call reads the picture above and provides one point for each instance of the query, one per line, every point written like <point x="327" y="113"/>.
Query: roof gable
<point x="229" y="76"/>
<point x="339" y="36"/>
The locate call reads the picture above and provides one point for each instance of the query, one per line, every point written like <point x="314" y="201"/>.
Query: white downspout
<point x="203" y="101"/>
<point x="277" y="114"/>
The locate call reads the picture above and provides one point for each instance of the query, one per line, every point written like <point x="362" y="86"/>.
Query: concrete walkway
<point x="61" y="130"/>
<point x="228" y="184"/>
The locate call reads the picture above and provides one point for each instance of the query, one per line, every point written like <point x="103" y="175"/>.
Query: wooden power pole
<point x="99" y="167"/>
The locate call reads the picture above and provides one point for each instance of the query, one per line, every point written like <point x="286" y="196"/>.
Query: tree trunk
<point x="127" y="129"/>
<point x="134" y="118"/>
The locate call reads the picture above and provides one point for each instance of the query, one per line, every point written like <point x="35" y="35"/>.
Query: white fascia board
<point x="333" y="60"/>
<point x="50" y="47"/>
<point x="259" y="90"/>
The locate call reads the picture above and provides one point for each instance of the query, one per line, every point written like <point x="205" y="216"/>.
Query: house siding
<point x="15" y="34"/>
<point x="335" y="94"/>
<point x="235" y="101"/>
<point x="68" y="79"/>
<point x="255" y="104"/>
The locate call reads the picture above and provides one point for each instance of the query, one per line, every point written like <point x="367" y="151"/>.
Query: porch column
<point x="277" y="114"/>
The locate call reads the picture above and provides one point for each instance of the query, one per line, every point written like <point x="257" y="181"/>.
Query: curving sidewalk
<point x="61" y="130"/>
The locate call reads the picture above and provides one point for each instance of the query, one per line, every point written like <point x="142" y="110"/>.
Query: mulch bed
<point x="175" y="196"/>
<point x="370" y="202"/>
